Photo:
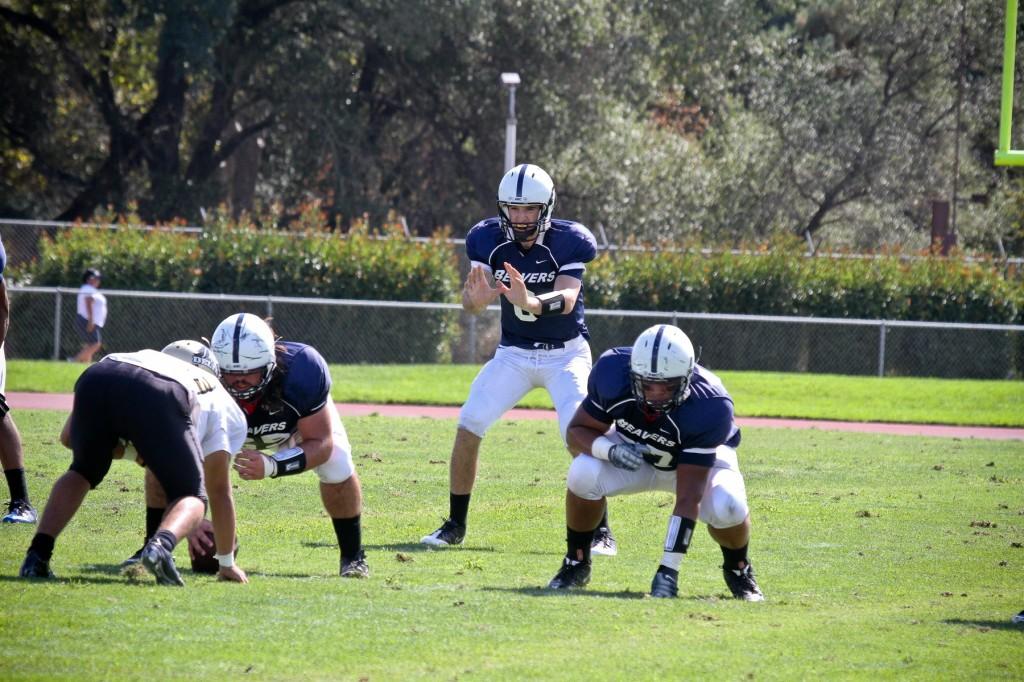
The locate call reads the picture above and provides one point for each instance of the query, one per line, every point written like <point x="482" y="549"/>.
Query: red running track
<point x="62" y="401"/>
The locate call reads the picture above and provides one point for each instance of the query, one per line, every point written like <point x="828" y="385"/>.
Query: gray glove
<point x="628" y="456"/>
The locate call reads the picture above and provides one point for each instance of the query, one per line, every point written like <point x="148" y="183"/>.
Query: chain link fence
<point x="352" y="332"/>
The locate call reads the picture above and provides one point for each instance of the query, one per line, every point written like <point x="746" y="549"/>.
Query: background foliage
<point x="720" y="121"/>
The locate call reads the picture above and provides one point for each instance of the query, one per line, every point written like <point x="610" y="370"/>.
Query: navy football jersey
<point x="688" y="434"/>
<point x="304" y="388"/>
<point x="562" y="249"/>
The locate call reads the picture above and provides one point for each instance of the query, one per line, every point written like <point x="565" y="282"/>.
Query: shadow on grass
<point x="77" y="579"/>
<point x="546" y="592"/>
<point x="406" y="547"/>
<point x="608" y="594"/>
<point x="987" y="624"/>
<point x="109" y="569"/>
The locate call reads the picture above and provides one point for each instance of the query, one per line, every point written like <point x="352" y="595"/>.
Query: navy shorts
<point x="116" y="400"/>
<point x="81" y="325"/>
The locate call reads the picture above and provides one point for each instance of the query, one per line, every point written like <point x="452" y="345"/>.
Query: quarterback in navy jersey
<point x="284" y="388"/>
<point x="533" y="265"/>
<point x="655" y="420"/>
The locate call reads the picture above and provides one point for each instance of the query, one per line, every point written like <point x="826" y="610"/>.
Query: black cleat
<point x="572" y="575"/>
<point x="160" y="563"/>
<point x="356" y="567"/>
<point x="450" y="533"/>
<point x="665" y="585"/>
<point x="35" y="567"/>
<point x="742" y="583"/>
<point x="134" y="559"/>
<point x="604" y="542"/>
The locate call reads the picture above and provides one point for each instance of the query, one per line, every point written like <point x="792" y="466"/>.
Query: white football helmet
<point x="662" y="354"/>
<point x="244" y="344"/>
<point x="194" y="353"/>
<point x="526" y="185"/>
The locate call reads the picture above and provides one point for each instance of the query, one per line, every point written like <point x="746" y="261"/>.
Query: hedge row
<point x="789" y="283"/>
<point x="230" y="259"/>
<point x="316" y="263"/>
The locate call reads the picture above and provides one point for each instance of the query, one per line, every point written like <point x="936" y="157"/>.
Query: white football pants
<point x="724" y="504"/>
<point x="513" y="372"/>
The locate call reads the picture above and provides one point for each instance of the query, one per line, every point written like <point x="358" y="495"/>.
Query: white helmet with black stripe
<point x="662" y="354"/>
<point x="526" y="185"/>
<point x="244" y="344"/>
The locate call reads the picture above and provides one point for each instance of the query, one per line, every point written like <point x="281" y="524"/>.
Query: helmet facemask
<point x="253" y="391"/>
<point x="662" y="356"/>
<point x="523" y="232"/>
<point x="678" y="390"/>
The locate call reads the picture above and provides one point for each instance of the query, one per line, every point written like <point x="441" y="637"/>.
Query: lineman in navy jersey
<point x="284" y="388"/>
<point x="655" y="420"/>
<point x="536" y="264"/>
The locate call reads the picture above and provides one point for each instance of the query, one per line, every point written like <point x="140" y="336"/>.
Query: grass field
<point x="882" y="557"/>
<point x="757" y="394"/>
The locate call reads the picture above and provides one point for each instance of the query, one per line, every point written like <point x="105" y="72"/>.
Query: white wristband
<point x="601" y="447"/>
<point x="225" y="560"/>
<point x="269" y="466"/>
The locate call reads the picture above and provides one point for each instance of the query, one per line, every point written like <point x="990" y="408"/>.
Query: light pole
<point x="510" y="81"/>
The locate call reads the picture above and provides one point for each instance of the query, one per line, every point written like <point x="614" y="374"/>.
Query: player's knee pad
<point x="339" y="468"/>
<point x="584" y="478"/>
<point x="725" y="506"/>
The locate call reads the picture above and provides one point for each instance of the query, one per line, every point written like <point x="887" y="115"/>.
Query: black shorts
<point x="82" y="325"/>
<point x="119" y="400"/>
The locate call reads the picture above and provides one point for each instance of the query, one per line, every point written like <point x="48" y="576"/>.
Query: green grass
<point x="757" y="394"/>
<point x="881" y="557"/>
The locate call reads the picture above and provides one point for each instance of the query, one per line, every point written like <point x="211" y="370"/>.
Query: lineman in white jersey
<point x="536" y="264"/>
<point x="221" y="427"/>
<point x="153" y="401"/>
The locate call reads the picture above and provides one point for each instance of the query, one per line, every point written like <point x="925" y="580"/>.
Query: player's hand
<point x="628" y="456"/>
<point x="249" y="465"/>
<point x="516" y="292"/>
<point x="200" y="540"/>
<point x="232" y="574"/>
<point x="478" y="289"/>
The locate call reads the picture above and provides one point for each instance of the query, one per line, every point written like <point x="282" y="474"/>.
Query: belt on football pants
<point x="539" y="345"/>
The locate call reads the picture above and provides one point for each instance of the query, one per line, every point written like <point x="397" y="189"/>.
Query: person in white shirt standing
<point x="91" y="315"/>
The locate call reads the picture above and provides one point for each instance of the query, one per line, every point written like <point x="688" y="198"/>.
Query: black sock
<point x="42" y="544"/>
<point x="578" y="543"/>
<point x="735" y="559"/>
<point x="154" y="515"/>
<point x="350" y="536"/>
<point x="167" y="539"/>
<point x="16" y="484"/>
<point x="458" y="508"/>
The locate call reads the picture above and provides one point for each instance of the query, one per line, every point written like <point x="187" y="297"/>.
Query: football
<point x="205" y="561"/>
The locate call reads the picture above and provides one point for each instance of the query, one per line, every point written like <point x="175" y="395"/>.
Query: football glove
<point x="628" y="456"/>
